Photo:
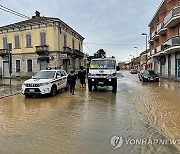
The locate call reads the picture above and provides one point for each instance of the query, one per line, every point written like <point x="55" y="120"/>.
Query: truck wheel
<point x="114" y="86"/>
<point x="53" y="91"/>
<point x="90" y="87"/>
<point x="95" y="87"/>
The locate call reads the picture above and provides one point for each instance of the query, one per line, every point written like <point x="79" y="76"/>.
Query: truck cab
<point x="102" y="72"/>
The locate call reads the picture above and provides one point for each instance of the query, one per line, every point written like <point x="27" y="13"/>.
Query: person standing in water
<point x="72" y="81"/>
<point x="82" y="76"/>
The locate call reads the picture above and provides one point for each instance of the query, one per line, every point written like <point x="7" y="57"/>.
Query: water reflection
<point x="159" y="103"/>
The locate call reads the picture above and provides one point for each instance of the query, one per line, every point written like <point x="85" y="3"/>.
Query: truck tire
<point x="53" y="91"/>
<point x="114" y="85"/>
<point x="90" y="87"/>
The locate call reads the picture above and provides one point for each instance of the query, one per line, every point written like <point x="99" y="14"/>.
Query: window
<point x="5" y="42"/>
<point x="43" y="38"/>
<point x="17" y="65"/>
<point x="29" y="65"/>
<point x="65" y="41"/>
<point x="28" y="40"/>
<point x="73" y="44"/>
<point x="17" y="43"/>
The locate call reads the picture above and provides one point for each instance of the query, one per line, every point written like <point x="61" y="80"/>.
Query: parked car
<point x="45" y="82"/>
<point x="148" y="75"/>
<point x="133" y="71"/>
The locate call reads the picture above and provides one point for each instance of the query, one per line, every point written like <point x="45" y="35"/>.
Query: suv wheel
<point x="67" y="87"/>
<point x="53" y="91"/>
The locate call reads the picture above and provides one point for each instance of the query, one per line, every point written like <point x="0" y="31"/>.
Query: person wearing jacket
<point x="71" y="79"/>
<point x="82" y="76"/>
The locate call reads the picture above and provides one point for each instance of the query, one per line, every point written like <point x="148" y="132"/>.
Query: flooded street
<point x="86" y="122"/>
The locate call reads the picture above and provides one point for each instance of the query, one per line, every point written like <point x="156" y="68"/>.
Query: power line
<point x="88" y="47"/>
<point x="13" y="12"/>
<point x="114" y="44"/>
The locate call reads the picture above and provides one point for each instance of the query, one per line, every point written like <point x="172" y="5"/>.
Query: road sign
<point x="63" y="56"/>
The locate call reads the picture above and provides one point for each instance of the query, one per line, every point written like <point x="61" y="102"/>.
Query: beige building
<point x="39" y="43"/>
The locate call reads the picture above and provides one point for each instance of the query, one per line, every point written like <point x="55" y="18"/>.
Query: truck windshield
<point x="44" y="75"/>
<point x="102" y="64"/>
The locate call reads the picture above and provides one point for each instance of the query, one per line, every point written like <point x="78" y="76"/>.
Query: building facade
<point x="164" y="42"/>
<point x="39" y="43"/>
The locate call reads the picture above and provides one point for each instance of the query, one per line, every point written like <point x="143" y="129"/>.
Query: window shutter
<point x="5" y="42"/>
<point x="17" y="43"/>
<point x="43" y="38"/>
<point x="28" y="40"/>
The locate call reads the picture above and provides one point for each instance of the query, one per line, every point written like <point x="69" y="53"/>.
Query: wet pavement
<point x="86" y="122"/>
<point x="9" y="88"/>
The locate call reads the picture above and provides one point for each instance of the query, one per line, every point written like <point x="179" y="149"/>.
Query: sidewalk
<point x="7" y="90"/>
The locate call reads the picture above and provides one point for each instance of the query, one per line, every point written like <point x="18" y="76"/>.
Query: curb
<point x="10" y="95"/>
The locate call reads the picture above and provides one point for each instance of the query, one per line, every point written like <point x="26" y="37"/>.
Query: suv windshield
<point x="102" y="64"/>
<point x="45" y="75"/>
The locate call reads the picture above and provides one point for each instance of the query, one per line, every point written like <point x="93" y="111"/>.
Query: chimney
<point x="37" y="15"/>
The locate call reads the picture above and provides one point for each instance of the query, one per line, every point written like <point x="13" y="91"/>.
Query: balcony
<point x="150" y="38"/>
<point x="3" y="52"/>
<point x="154" y="35"/>
<point x="44" y="49"/>
<point x="160" y="29"/>
<point x="172" y="45"/>
<point x="172" y="18"/>
<point x="160" y="48"/>
<point x="67" y="50"/>
<point x="78" y="53"/>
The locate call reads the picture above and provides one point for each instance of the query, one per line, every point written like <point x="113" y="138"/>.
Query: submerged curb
<point x="8" y="95"/>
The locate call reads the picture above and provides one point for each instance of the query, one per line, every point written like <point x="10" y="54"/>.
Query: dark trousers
<point x="72" y="88"/>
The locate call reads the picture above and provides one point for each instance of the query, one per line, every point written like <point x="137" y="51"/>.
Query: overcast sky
<point x="113" y="25"/>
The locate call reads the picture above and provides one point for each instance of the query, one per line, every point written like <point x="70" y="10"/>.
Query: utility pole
<point x="9" y="48"/>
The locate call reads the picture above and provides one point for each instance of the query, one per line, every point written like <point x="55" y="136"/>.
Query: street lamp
<point x="146" y="40"/>
<point x="137" y="50"/>
<point x="146" y="46"/>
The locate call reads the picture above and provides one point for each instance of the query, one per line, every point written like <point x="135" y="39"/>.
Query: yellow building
<point x="39" y="43"/>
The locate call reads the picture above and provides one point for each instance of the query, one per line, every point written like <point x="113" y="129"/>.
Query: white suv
<point x="45" y="82"/>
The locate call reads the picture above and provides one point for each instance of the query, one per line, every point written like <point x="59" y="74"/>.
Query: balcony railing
<point x="153" y="34"/>
<point x="153" y="52"/>
<point x="174" y="41"/>
<point x="78" y="53"/>
<point x="67" y="50"/>
<point x="159" y="27"/>
<point x="3" y="52"/>
<point x="160" y="48"/>
<point x="44" y="49"/>
<point x="174" y="12"/>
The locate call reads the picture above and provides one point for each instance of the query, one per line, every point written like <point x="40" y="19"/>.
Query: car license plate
<point x="31" y="90"/>
<point x="101" y="82"/>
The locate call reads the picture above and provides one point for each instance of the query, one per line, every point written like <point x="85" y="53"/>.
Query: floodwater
<point x="86" y="122"/>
